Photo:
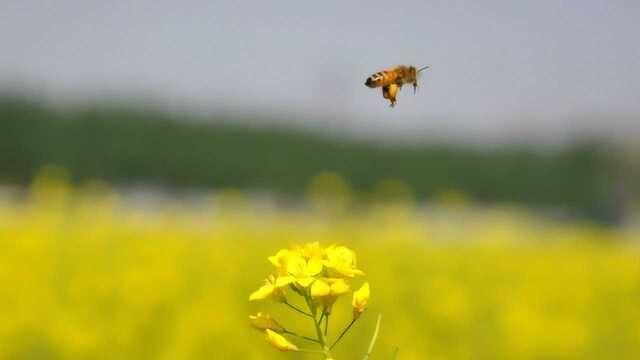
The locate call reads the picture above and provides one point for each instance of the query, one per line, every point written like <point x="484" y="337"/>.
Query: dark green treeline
<point x="124" y="146"/>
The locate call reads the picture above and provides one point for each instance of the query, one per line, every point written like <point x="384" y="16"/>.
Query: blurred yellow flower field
<point x="83" y="275"/>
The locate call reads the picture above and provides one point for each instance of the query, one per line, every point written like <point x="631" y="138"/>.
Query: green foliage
<point x="128" y="145"/>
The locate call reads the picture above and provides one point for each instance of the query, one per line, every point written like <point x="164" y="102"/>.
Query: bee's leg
<point x="389" y="92"/>
<point x="415" y="87"/>
<point x="385" y="92"/>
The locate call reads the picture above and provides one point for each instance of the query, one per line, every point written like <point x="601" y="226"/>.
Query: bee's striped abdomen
<point x="382" y="78"/>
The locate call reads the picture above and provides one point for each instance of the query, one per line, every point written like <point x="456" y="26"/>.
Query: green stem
<point x="326" y="324"/>
<point x="314" y="311"/>
<point x="301" y="336"/>
<point x="343" y="332"/>
<point x="374" y="338"/>
<point x="298" y="310"/>
<point x="310" y="351"/>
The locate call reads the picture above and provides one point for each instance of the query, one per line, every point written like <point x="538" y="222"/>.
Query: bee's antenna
<point x="423" y="68"/>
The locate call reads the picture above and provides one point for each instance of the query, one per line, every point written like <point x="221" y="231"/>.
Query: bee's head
<point x="373" y="80"/>
<point x="369" y="82"/>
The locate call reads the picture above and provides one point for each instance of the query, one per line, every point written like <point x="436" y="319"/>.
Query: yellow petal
<point x="361" y="300"/>
<point x="314" y="266"/>
<point x="279" y="258"/>
<point x="339" y="287"/>
<point x="279" y="342"/>
<point x="320" y="288"/>
<point x="284" y="281"/>
<point x="342" y="261"/>
<point x="262" y="293"/>
<point x="296" y="265"/>
<point x="264" y="321"/>
<point x="354" y="272"/>
<point x="305" y="281"/>
<point x="313" y="250"/>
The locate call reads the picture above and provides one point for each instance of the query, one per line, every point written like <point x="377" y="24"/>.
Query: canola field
<point x="84" y="274"/>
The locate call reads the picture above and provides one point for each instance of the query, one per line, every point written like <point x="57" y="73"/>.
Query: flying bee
<point x="392" y="80"/>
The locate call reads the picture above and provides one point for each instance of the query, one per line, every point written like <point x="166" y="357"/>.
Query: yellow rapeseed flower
<point x="320" y="276"/>
<point x="268" y="291"/>
<point x="299" y="270"/>
<point x="264" y="321"/>
<point x="342" y="261"/>
<point x="279" y="260"/>
<point x="279" y="342"/>
<point x="320" y="289"/>
<point x="360" y="300"/>
<point x="327" y="290"/>
<point x="310" y="250"/>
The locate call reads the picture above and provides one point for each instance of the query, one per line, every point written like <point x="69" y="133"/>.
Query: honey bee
<point x="392" y="80"/>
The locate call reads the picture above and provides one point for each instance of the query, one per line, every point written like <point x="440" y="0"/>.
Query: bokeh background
<point x="153" y="154"/>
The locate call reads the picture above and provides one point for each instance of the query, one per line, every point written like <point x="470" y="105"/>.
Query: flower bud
<point x="360" y="300"/>
<point x="279" y="342"/>
<point x="264" y="321"/>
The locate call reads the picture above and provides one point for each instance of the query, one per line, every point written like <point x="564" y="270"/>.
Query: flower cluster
<point x="320" y="276"/>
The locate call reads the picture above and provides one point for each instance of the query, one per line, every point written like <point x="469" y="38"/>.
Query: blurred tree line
<point x="131" y="145"/>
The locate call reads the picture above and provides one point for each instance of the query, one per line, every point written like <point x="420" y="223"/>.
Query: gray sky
<point x="501" y="70"/>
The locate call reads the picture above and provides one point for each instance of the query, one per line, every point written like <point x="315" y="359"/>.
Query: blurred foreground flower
<point x="319" y="276"/>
